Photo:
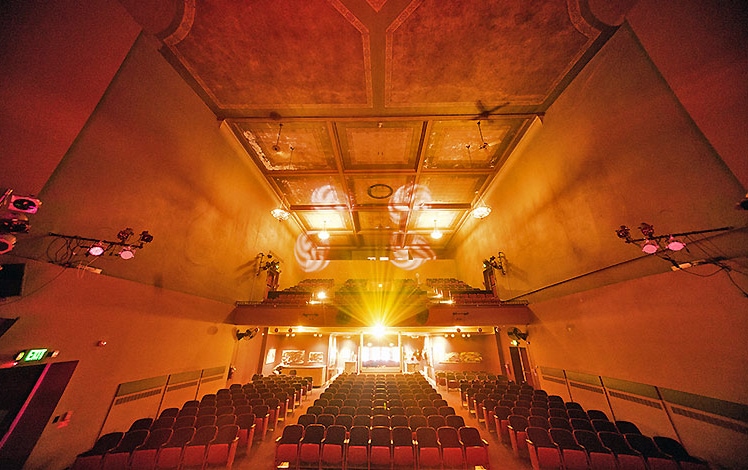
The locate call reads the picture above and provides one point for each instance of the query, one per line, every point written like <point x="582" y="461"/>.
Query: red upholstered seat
<point x="476" y="448"/>
<point x="287" y="445"/>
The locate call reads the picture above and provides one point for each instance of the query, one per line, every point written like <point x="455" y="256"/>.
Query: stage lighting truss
<point x="76" y="248"/>
<point x="661" y="245"/>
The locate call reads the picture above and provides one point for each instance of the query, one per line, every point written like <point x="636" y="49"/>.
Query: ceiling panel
<point x="443" y="219"/>
<point x="331" y="220"/>
<point x="247" y="55"/>
<point x="291" y="146"/>
<point x="376" y="190"/>
<point x="379" y="145"/>
<point x="452" y="189"/>
<point x="469" y="144"/>
<point x="311" y="190"/>
<point x="498" y="52"/>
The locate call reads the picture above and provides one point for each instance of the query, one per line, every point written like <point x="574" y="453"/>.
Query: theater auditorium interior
<point x="487" y="225"/>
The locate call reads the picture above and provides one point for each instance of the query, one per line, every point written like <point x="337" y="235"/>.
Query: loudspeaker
<point x="25" y="204"/>
<point x="11" y="223"/>
<point x="11" y="279"/>
<point x="515" y="333"/>
<point x="7" y="242"/>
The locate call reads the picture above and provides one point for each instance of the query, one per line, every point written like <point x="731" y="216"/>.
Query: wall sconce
<point x="496" y="262"/>
<point x="280" y="214"/>
<point x="481" y="211"/>
<point x="124" y="248"/>
<point x="652" y="244"/>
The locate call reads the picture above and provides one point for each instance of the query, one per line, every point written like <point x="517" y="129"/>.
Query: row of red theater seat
<point x="162" y="448"/>
<point x="364" y="447"/>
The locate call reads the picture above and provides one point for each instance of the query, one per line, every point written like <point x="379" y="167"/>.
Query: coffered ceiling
<point x="380" y="120"/>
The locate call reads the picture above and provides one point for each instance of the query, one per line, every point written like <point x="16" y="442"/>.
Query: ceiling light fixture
<point x="324" y="234"/>
<point x="280" y="214"/>
<point x="436" y="234"/>
<point x="276" y="147"/>
<point x="481" y="210"/>
<point x="483" y="144"/>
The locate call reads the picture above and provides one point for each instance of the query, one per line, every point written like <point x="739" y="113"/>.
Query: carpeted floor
<point x="262" y="455"/>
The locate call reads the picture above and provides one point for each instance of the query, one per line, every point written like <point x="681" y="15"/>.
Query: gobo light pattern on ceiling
<point x="378" y="122"/>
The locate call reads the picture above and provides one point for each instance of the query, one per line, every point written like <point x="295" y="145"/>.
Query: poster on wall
<point x="270" y="357"/>
<point x="316" y="357"/>
<point x="293" y="356"/>
<point x="470" y="357"/>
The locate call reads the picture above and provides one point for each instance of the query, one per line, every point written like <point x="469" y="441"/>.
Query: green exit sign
<point x="31" y="355"/>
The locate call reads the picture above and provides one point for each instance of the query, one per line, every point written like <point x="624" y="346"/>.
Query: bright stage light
<point x="379" y="330"/>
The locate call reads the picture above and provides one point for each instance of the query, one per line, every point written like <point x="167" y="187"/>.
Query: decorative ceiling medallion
<point x="379" y="191"/>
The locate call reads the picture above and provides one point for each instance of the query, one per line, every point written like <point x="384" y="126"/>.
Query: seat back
<point x="157" y="438"/>
<point x="131" y="440"/>
<point x="518" y="422"/>
<point x="615" y="442"/>
<point x="427" y="437"/>
<point x="142" y="423"/>
<point x="417" y="421"/>
<point x="603" y="425"/>
<point x="359" y="436"/>
<point x="597" y="414"/>
<point x="402" y="436"/>
<point x="184" y="422"/>
<point x="456" y="421"/>
<point x="180" y="437"/>
<point x="559" y="423"/>
<point x="579" y="423"/>
<point x="169" y="412"/>
<point x="307" y="419"/>
<point x="163" y="422"/>
<point x="436" y="421"/>
<point x="539" y="437"/>
<point x="645" y="446"/>
<point x="538" y="422"/>
<point x="206" y="420"/>
<point x="225" y="419"/>
<point x="590" y="441"/>
<point x="558" y="413"/>
<point x="627" y="427"/>
<point x="326" y="419"/>
<point x="105" y="443"/>
<point x="344" y="420"/>
<point x="203" y="435"/>
<point x="335" y="434"/>
<point x="313" y="434"/>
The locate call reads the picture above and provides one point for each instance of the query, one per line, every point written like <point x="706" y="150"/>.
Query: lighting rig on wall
<point x="74" y="245"/>
<point x="266" y="262"/>
<point x="652" y="244"/>
<point x="496" y="262"/>
<point x="14" y="219"/>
